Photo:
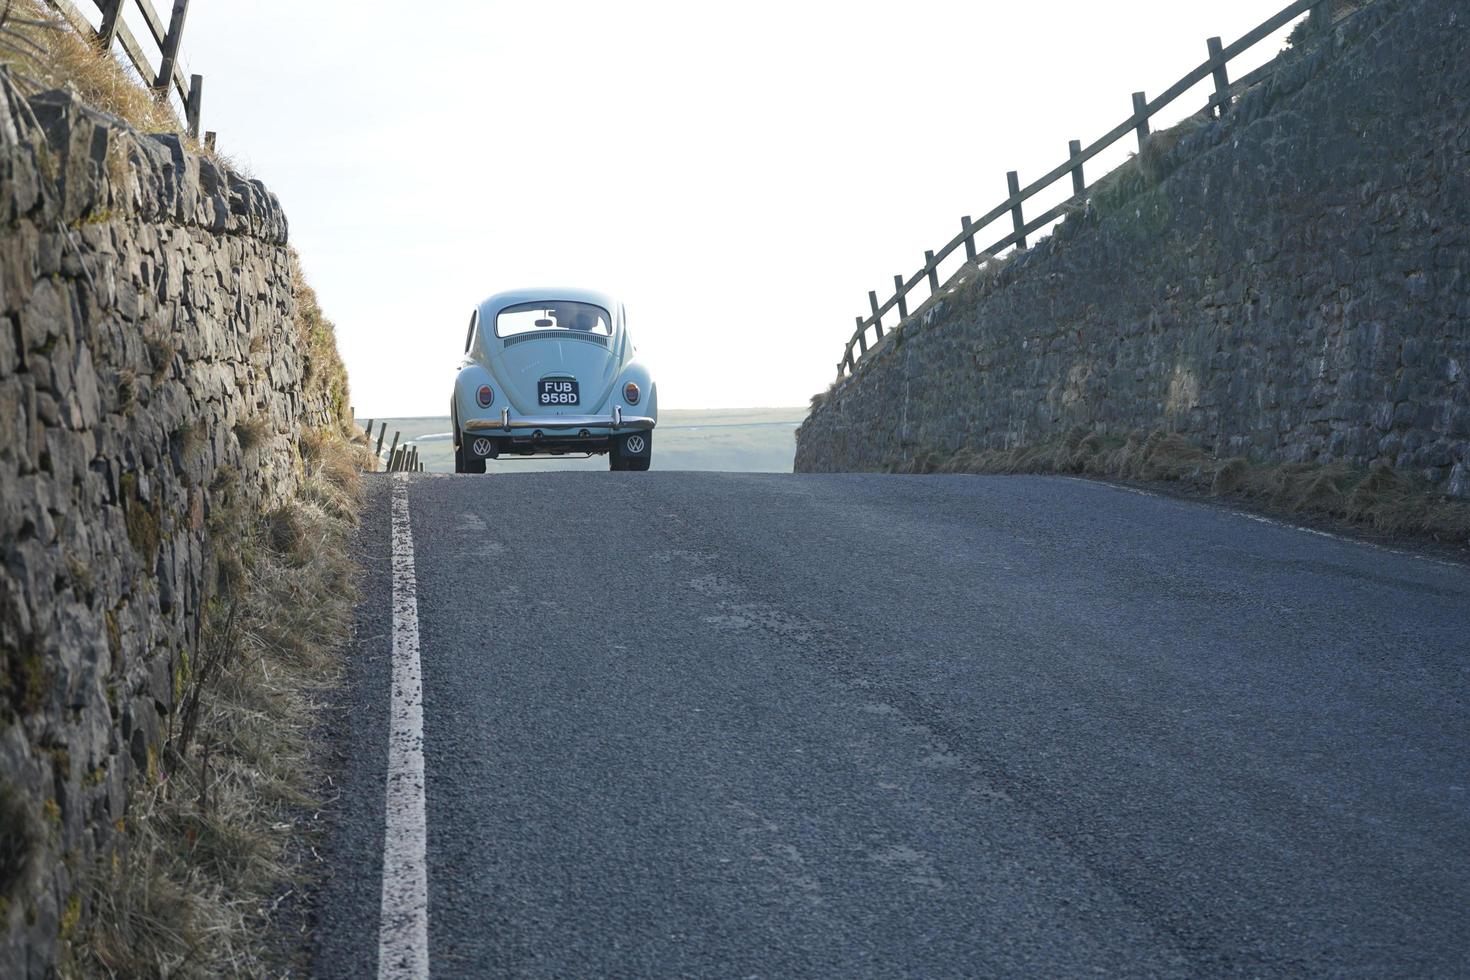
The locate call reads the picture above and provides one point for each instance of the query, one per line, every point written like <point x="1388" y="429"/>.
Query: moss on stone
<point x="71" y="915"/>
<point x="25" y="679"/>
<point x="17" y="845"/>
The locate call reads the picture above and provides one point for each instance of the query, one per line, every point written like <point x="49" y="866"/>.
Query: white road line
<point x="403" y="936"/>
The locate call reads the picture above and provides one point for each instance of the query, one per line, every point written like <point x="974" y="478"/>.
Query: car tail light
<point x="630" y="393"/>
<point x="485" y="396"/>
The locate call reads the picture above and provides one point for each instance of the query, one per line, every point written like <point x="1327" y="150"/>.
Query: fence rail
<point x="167" y="35"/>
<point x="1215" y="66"/>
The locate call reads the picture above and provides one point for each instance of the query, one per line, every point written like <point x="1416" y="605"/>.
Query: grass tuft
<point x="44" y="52"/>
<point x="252" y="432"/>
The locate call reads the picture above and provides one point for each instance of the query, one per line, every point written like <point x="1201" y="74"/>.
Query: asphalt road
<point x="756" y="725"/>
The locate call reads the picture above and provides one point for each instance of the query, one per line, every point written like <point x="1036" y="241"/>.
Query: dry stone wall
<point x="151" y="380"/>
<point x="1297" y="288"/>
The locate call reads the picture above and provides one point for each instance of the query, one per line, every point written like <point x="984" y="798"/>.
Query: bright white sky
<point x="740" y="174"/>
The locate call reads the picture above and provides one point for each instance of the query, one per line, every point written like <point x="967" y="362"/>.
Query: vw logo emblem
<point x="636" y="444"/>
<point x="482" y="447"/>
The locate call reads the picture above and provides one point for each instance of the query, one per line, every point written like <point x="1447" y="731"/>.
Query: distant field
<point x="740" y="440"/>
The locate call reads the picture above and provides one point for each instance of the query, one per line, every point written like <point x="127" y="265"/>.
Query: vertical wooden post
<point x="877" y="318"/>
<point x="1222" y="75"/>
<point x="1018" y="220"/>
<point x="195" y="103"/>
<point x="1319" y="21"/>
<point x="1140" y="118"/>
<point x="209" y="141"/>
<point x="862" y="338"/>
<point x="903" y="301"/>
<point x="381" y="432"/>
<point x="393" y="448"/>
<point x="107" y="31"/>
<point x="1079" y="183"/>
<point x="370" y="429"/>
<point x="171" y="49"/>
<point x="969" y="238"/>
<point x="933" y="272"/>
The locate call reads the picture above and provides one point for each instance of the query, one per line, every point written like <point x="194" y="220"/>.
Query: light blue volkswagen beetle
<point x="552" y="372"/>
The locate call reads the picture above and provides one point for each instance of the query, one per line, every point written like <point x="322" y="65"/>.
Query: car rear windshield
<point x="528" y="317"/>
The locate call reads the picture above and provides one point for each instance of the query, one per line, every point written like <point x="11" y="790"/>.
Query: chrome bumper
<point x="617" y="421"/>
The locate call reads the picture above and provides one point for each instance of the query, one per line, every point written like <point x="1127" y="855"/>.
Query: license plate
<point x="558" y="391"/>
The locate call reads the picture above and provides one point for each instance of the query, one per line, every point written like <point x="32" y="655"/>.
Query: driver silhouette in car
<point x="576" y="318"/>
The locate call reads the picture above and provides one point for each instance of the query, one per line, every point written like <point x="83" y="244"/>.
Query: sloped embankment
<point x="165" y="379"/>
<point x="1290" y="284"/>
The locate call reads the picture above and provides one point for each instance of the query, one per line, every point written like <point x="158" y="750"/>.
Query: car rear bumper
<point x="559" y="424"/>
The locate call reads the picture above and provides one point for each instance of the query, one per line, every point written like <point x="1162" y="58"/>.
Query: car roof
<point x="512" y="297"/>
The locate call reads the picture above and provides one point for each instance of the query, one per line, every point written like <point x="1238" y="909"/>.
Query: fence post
<point x="171" y="48"/>
<point x="1319" y="21"/>
<point x="969" y="238"/>
<point x="1222" y="75"/>
<point x="194" y="105"/>
<point x="393" y="448"/>
<point x="107" y="31"/>
<point x="1140" y="118"/>
<point x="903" y="302"/>
<point x="209" y="140"/>
<point x="381" y="432"/>
<point x="877" y="318"/>
<point x="1018" y="220"/>
<point x="862" y="338"/>
<point x="933" y="272"/>
<point x="1079" y="183"/>
<point x="370" y="429"/>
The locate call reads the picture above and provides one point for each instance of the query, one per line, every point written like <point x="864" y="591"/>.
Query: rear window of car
<point x="529" y="317"/>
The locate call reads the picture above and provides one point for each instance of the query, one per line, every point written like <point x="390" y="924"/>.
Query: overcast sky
<point x="740" y="174"/>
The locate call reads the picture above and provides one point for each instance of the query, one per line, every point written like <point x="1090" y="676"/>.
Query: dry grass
<point x="212" y="841"/>
<point x="324" y="374"/>
<point x="43" y="52"/>
<point x="1146" y="169"/>
<point x="252" y="432"/>
<point x="1379" y="497"/>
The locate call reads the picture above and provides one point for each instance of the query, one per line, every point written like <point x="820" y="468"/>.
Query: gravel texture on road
<point x="762" y="725"/>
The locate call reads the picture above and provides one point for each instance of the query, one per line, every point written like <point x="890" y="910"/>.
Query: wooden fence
<point x="1144" y="109"/>
<point x="167" y="35"/>
<point x="400" y="459"/>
